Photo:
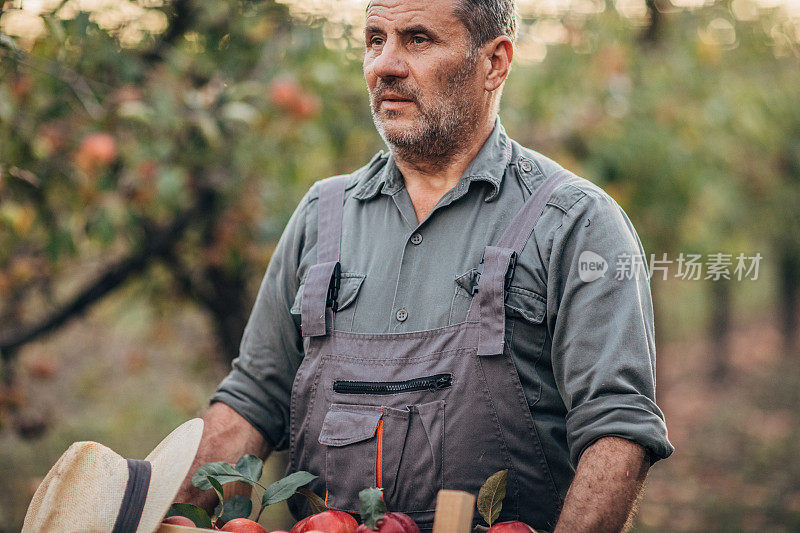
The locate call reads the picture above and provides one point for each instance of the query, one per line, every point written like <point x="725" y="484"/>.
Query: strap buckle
<point x="333" y="288"/>
<point x="512" y="265"/>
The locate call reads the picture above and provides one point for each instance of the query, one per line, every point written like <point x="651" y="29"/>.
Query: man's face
<point x="424" y="86"/>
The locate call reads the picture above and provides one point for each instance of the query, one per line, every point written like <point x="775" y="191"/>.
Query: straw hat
<point x="85" y="489"/>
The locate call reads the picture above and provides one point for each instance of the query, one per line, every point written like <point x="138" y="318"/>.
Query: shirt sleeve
<point x="603" y="349"/>
<point x="259" y="385"/>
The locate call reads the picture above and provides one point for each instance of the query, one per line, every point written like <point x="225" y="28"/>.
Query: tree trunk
<point x="230" y="309"/>
<point x="651" y="35"/>
<point x="720" y="328"/>
<point x="789" y="298"/>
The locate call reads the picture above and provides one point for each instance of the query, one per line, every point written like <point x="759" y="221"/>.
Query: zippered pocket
<point x="429" y="383"/>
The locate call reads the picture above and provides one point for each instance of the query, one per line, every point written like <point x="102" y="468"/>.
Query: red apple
<point x="283" y="91"/>
<point x="513" y="526"/>
<point x="327" y="522"/>
<point x="95" y="151"/>
<point x="243" y="525"/>
<point x="304" y="105"/>
<point x="178" y="521"/>
<point x="392" y="523"/>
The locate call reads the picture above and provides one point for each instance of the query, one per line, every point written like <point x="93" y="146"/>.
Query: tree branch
<point x="180" y="18"/>
<point x="652" y="33"/>
<point x="187" y="281"/>
<point x="156" y="245"/>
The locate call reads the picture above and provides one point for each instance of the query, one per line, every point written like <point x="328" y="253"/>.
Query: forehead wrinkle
<point x="402" y="16"/>
<point x="396" y="6"/>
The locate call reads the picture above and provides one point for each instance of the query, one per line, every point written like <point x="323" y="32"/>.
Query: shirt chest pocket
<point x="526" y="335"/>
<point x="521" y="303"/>
<point x="349" y="288"/>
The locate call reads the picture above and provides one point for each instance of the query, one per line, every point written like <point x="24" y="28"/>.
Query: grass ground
<point x="127" y="374"/>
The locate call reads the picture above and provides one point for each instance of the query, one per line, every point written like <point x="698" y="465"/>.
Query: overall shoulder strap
<point x="521" y="227"/>
<point x="498" y="264"/>
<point x="322" y="280"/>
<point x="329" y="218"/>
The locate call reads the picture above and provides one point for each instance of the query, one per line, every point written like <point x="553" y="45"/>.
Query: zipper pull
<point x="443" y="382"/>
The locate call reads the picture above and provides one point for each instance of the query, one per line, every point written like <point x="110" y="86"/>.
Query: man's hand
<point x="607" y="485"/>
<point x="226" y="437"/>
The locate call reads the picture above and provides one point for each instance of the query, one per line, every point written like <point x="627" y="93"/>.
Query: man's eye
<point x="376" y="41"/>
<point x="419" y="39"/>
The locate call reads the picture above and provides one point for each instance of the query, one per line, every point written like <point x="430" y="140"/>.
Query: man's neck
<point x="428" y="181"/>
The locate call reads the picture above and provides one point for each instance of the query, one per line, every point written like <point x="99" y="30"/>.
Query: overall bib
<point x="416" y="412"/>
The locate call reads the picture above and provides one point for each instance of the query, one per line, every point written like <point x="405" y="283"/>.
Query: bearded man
<point x="444" y="312"/>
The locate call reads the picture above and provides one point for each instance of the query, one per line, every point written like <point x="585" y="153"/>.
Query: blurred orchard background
<point x="152" y="150"/>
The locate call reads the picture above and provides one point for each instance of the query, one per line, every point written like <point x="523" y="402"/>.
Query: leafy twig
<point x="248" y="470"/>
<point x="491" y="495"/>
<point x="372" y="507"/>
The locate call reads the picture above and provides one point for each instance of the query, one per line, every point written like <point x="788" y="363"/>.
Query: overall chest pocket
<point x="344" y="316"/>
<point x="399" y="450"/>
<point x="526" y="331"/>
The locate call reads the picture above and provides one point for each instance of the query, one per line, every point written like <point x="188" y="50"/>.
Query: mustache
<point x="395" y="86"/>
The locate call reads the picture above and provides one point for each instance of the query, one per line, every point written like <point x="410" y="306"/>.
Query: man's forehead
<point x="411" y="11"/>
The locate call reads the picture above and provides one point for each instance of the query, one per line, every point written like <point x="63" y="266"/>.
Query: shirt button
<point x="416" y="238"/>
<point x="401" y="315"/>
<point x="526" y="166"/>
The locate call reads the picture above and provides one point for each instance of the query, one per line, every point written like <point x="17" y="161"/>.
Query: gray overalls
<point x="413" y="413"/>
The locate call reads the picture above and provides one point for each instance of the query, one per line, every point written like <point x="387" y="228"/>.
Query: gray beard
<point x="441" y="130"/>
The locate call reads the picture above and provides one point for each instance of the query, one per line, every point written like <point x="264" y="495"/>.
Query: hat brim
<point x="170" y="461"/>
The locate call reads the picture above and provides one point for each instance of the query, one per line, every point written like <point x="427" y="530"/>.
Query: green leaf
<point x="59" y="243"/>
<point x="223" y="472"/>
<point x="217" y="486"/>
<point x="372" y="507"/>
<point x="235" y="507"/>
<point x="192" y="512"/>
<point x="490" y="497"/>
<point x="317" y="504"/>
<point x="250" y="467"/>
<point x="284" y="488"/>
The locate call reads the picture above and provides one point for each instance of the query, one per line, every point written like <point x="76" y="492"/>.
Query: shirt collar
<point x="488" y="166"/>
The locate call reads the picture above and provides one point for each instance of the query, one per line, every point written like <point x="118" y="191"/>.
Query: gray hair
<point x="487" y="19"/>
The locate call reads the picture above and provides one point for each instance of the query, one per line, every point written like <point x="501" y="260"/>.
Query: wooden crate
<point x="454" y="510"/>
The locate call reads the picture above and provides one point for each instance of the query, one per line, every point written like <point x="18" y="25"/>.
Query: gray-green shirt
<point x="583" y="347"/>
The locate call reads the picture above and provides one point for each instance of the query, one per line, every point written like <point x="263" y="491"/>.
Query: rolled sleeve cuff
<point x="242" y="393"/>
<point x="629" y="416"/>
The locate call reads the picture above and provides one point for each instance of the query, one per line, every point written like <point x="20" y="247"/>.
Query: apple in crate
<point x="378" y="520"/>
<point x="329" y="521"/>
<point x="243" y="525"/>
<point x="513" y="526"/>
<point x="178" y="521"/>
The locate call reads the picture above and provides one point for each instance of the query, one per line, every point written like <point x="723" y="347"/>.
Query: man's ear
<point x="500" y="52"/>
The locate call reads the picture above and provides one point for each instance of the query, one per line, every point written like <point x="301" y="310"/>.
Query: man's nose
<point x="391" y="61"/>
